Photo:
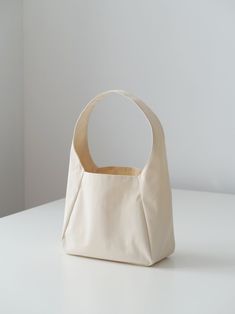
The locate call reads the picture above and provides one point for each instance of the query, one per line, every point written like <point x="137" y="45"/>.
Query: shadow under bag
<point x="118" y="213"/>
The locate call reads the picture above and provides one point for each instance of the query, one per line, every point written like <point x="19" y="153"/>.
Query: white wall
<point x="177" y="55"/>
<point x="11" y="107"/>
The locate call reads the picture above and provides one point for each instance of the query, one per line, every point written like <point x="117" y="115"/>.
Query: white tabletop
<point x="37" y="277"/>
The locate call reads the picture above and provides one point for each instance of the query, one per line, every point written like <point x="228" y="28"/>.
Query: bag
<point x="118" y="213"/>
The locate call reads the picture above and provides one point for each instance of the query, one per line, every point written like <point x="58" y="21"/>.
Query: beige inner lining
<point x="118" y="170"/>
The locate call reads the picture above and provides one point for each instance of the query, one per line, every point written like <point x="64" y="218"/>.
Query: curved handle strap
<point x="80" y="133"/>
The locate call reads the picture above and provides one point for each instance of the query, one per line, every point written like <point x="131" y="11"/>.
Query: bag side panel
<point x="157" y="200"/>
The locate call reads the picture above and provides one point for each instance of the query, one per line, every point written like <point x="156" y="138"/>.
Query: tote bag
<point x="118" y="213"/>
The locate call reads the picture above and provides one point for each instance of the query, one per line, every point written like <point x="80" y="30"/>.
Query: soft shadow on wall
<point x="174" y="55"/>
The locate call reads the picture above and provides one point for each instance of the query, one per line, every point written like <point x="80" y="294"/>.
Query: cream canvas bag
<point x="118" y="213"/>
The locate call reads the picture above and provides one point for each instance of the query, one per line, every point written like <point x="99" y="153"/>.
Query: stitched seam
<point x="72" y="206"/>
<point x="146" y="223"/>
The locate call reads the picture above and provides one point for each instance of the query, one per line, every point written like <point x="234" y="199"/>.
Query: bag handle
<point x="80" y="140"/>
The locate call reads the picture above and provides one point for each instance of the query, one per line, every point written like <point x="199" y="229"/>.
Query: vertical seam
<point x="72" y="207"/>
<point x="145" y="220"/>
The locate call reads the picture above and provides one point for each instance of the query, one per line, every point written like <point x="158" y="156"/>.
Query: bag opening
<point x="128" y="171"/>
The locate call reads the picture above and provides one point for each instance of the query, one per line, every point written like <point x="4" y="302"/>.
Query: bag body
<point x="118" y="213"/>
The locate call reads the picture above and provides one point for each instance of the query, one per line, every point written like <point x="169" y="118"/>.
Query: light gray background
<point x="11" y="107"/>
<point x="176" y="55"/>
